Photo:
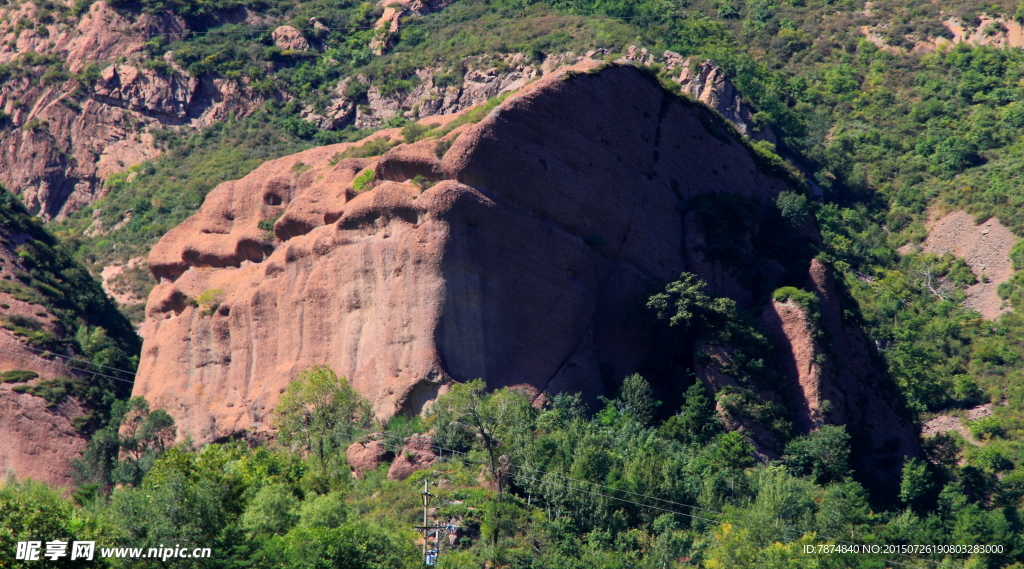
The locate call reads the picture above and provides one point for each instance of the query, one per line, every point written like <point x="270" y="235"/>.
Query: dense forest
<point x="888" y="132"/>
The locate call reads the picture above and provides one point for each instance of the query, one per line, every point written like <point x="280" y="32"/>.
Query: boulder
<point x="364" y="457"/>
<point x="287" y="37"/>
<point x="417" y="454"/>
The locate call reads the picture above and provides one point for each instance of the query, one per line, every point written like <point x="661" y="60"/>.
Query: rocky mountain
<point x="81" y="99"/>
<point x="85" y="95"/>
<point x="519" y="249"/>
<point x="57" y="325"/>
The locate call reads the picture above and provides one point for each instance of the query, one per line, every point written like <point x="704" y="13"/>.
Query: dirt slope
<point x="985" y="248"/>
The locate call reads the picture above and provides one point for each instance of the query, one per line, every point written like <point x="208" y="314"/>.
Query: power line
<point x="517" y="467"/>
<point x="636" y="494"/>
<point x="667" y="510"/>
<point x="35" y="357"/>
<point x="37" y="350"/>
<point x="453" y="452"/>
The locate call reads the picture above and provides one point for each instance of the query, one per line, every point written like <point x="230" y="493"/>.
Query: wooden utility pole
<point x="426" y="502"/>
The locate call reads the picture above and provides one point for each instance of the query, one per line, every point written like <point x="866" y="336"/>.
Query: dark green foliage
<point x="637" y="400"/>
<point x="686" y="302"/>
<point x="268" y="224"/>
<point x="351" y="546"/>
<point x="793" y="207"/>
<point x="696" y="422"/>
<point x="823" y="455"/>
<point x="126" y="447"/>
<point x="807" y="300"/>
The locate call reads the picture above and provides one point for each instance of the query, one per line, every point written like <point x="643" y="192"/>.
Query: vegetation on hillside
<point x="528" y="488"/>
<point x="95" y="333"/>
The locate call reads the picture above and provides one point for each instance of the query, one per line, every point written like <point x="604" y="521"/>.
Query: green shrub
<point x="824" y="454"/>
<point x="807" y="300"/>
<point x="363" y="180"/>
<point x="375" y="147"/>
<point x="268" y="224"/>
<point x="17" y="376"/>
<point x="987" y="428"/>
<point x="413" y="132"/>
<point x="793" y="207"/>
<point x="442" y="146"/>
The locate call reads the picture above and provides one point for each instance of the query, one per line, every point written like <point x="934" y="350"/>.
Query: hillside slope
<point x="58" y="329"/>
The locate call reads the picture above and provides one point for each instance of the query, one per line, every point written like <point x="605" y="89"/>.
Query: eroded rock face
<point x="527" y="263"/>
<point x="708" y="83"/>
<point x="417" y="454"/>
<point x="39" y="439"/>
<point x="287" y="37"/>
<point x="837" y="378"/>
<point x="68" y="136"/>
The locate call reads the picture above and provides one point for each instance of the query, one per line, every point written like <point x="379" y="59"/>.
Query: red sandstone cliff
<point x="523" y="264"/>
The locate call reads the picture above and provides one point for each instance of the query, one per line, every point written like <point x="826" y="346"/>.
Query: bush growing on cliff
<point x="806" y="300"/>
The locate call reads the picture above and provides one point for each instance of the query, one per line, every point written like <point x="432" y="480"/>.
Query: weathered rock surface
<point x="985" y="248"/>
<point x="39" y="440"/>
<point x="708" y="83"/>
<point x="287" y="37"/>
<point x="527" y="264"/>
<point x="364" y="457"/>
<point x="417" y="454"/>
<point x="68" y="136"/>
<point x="61" y="138"/>
<point x="836" y="378"/>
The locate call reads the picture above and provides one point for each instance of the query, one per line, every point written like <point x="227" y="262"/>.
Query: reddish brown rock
<point x="39" y="438"/>
<point x="39" y="442"/>
<point x="68" y="137"/>
<point x="287" y="37"/>
<point x="527" y="265"/>
<point x="417" y="454"/>
<point x="841" y="381"/>
<point x="408" y="161"/>
<point x="364" y="457"/>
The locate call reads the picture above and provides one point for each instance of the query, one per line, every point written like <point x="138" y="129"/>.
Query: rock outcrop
<point x="836" y="378"/>
<point x="60" y="137"/>
<point x="708" y="83"/>
<point x="366" y="456"/>
<point x="417" y="454"/>
<point x="522" y="254"/>
<point x="64" y="128"/>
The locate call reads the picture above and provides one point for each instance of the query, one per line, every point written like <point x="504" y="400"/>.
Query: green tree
<point x="685" y="302"/>
<point x="468" y="409"/>
<point x="274" y="510"/>
<point x="916" y="484"/>
<point x="823" y="454"/>
<point x="124" y="450"/>
<point x="636" y="399"/>
<point x="696" y="422"/>
<point x="319" y="413"/>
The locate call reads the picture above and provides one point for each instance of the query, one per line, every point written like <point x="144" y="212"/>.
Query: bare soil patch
<point x="985" y="248"/>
